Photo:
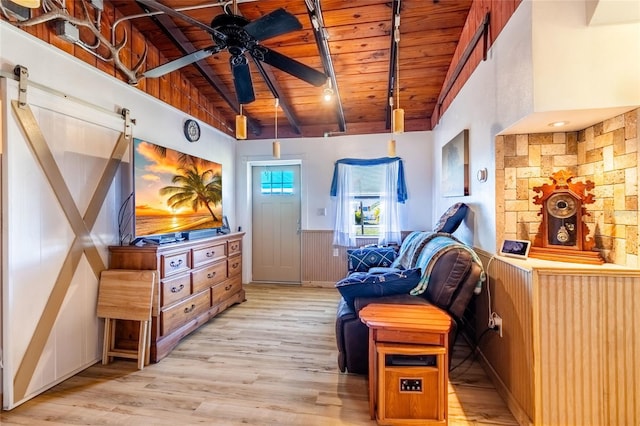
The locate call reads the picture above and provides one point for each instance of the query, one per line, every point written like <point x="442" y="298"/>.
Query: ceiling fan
<point x="241" y="37"/>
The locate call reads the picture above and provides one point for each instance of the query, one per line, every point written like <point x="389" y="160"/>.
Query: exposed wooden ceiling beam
<point x="166" y="24"/>
<point x="317" y="22"/>
<point x="268" y="77"/>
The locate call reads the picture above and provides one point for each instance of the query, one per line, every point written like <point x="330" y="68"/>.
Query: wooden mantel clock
<point x="563" y="235"/>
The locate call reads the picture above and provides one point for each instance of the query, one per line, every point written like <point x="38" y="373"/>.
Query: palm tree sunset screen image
<point x="174" y="192"/>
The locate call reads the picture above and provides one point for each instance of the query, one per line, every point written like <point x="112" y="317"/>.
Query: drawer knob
<point x="228" y="287"/>
<point x="211" y="275"/>
<point x="235" y="265"/>
<point x="177" y="289"/>
<point x="189" y="309"/>
<point x="175" y="264"/>
<point x="211" y="253"/>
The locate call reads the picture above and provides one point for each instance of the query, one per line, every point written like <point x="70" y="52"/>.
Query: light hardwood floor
<point x="268" y="361"/>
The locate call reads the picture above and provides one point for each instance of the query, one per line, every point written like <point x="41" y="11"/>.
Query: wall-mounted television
<point x="176" y="195"/>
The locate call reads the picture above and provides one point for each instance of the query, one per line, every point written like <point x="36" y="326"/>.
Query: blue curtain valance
<point x="402" y="187"/>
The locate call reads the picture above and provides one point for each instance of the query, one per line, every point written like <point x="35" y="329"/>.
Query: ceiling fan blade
<point x="290" y="66"/>
<point x="181" y="62"/>
<point x="242" y="79"/>
<point x="273" y="24"/>
<point x="162" y="8"/>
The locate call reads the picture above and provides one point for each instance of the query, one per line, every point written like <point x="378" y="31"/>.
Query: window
<point x="365" y="199"/>
<point x="367" y="193"/>
<point x="278" y="182"/>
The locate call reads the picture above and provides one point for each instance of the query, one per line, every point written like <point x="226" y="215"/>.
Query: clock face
<point x="561" y="205"/>
<point x="191" y="130"/>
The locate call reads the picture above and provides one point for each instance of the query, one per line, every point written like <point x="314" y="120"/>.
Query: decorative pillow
<point x="384" y="269"/>
<point x="452" y="218"/>
<point x="362" y="284"/>
<point x="361" y="259"/>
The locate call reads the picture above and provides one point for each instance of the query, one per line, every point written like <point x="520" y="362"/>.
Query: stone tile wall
<point x="606" y="153"/>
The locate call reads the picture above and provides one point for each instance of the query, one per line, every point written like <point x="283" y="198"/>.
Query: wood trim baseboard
<point x="518" y="412"/>
<point x="320" y="284"/>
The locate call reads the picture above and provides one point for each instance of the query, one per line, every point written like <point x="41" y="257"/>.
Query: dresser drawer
<point x="225" y="290"/>
<point x="235" y="247"/>
<point x="175" y="316"/>
<point x="174" y="263"/>
<point x="234" y="265"/>
<point x="209" y="254"/>
<point x="208" y="276"/>
<point x="174" y="289"/>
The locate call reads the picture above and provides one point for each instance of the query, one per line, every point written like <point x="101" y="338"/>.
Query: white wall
<point x="156" y="121"/>
<point x="581" y="66"/>
<point x="498" y="93"/>
<point x="318" y="156"/>
<point x="545" y="59"/>
<point x="36" y="234"/>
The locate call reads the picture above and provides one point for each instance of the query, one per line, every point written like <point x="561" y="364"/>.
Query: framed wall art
<point x="455" y="166"/>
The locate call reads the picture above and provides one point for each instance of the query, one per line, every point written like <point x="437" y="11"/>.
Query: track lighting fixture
<point x="328" y="91"/>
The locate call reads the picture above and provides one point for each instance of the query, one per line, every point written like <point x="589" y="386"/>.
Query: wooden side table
<point x="414" y="330"/>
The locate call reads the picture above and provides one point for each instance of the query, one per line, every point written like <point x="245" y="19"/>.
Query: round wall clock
<point x="191" y="130"/>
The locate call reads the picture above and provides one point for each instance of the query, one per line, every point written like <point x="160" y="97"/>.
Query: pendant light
<point x="241" y="120"/>
<point x="397" y="120"/>
<point x="241" y="125"/>
<point x="391" y="145"/>
<point x="391" y="148"/>
<point x="31" y="4"/>
<point x="276" y="144"/>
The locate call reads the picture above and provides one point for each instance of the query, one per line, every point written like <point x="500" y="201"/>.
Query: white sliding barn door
<point x="59" y="216"/>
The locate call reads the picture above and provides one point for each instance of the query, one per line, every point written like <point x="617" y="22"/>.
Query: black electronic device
<point x="174" y="193"/>
<point x="224" y="229"/>
<point x="200" y="233"/>
<point x="154" y="240"/>
<point x="515" y="248"/>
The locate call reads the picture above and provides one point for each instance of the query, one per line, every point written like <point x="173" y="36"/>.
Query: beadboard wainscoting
<point x="323" y="263"/>
<point x="571" y="342"/>
<point x="320" y="268"/>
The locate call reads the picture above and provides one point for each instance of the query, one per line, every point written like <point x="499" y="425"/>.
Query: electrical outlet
<point x="336" y="252"/>
<point x="497" y="322"/>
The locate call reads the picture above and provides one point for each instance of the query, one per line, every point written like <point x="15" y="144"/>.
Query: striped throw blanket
<point x="423" y="249"/>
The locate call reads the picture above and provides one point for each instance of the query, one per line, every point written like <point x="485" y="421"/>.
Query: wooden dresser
<point x="197" y="280"/>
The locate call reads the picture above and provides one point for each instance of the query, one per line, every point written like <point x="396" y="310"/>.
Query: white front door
<point x="276" y="223"/>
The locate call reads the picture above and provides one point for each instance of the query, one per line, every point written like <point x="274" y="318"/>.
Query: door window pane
<point x="277" y="182"/>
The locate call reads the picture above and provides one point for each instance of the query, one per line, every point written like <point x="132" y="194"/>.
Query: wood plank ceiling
<point x="359" y="38"/>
